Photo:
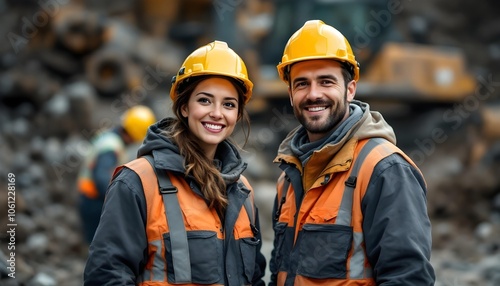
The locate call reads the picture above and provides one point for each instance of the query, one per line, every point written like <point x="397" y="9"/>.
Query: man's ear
<point x="290" y="96"/>
<point x="351" y="90"/>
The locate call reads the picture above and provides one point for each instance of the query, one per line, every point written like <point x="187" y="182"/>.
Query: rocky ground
<point x="50" y="105"/>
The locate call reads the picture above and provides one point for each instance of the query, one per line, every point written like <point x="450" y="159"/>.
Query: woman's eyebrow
<point x="204" y="93"/>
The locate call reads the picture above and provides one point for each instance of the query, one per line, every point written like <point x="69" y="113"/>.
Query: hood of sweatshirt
<point x="336" y="152"/>
<point x="167" y="156"/>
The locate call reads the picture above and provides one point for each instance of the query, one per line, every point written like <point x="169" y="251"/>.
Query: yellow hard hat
<point x="215" y="58"/>
<point x="317" y="40"/>
<point x="136" y="121"/>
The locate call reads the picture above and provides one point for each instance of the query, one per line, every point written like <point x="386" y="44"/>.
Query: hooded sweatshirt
<point x="117" y="254"/>
<point x="396" y="226"/>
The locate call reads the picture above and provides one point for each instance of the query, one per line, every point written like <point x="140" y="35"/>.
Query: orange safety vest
<point x="186" y="239"/>
<point x="328" y="233"/>
<point x="106" y="141"/>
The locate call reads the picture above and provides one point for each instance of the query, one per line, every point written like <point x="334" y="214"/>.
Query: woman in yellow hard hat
<point x="183" y="213"/>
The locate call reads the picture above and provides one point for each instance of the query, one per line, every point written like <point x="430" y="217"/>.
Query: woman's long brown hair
<point x="197" y="164"/>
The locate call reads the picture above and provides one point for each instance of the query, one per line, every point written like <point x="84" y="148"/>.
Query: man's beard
<point x="313" y="125"/>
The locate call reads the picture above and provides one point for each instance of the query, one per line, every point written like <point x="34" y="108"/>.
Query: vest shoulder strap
<point x="345" y="210"/>
<point x="178" y="236"/>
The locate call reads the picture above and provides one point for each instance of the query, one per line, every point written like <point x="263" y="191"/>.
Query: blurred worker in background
<point x="351" y="206"/>
<point x="182" y="213"/>
<point x="109" y="151"/>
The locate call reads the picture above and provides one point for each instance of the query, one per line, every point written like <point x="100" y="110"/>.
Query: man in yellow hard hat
<point x="351" y="206"/>
<point x="109" y="151"/>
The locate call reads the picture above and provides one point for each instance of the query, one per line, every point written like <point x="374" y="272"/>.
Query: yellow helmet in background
<point x="136" y="121"/>
<point x="317" y="40"/>
<point x="215" y="58"/>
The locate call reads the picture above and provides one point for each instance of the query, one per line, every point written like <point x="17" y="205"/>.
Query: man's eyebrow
<point x="328" y="76"/>
<point x="295" y="80"/>
<point x="325" y="76"/>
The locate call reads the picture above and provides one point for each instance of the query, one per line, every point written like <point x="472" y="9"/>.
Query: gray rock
<point x="42" y="279"/>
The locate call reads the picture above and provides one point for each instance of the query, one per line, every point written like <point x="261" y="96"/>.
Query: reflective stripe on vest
<point x="344" y="217"/>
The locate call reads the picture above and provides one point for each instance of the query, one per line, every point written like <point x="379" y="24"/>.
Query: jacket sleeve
<point x="396" y="225"/>
<point x="118" y="250"/>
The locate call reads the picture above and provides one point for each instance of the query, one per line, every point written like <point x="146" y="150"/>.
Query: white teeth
<point x="213" y="126"/>
<point x="319" y="108"/>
